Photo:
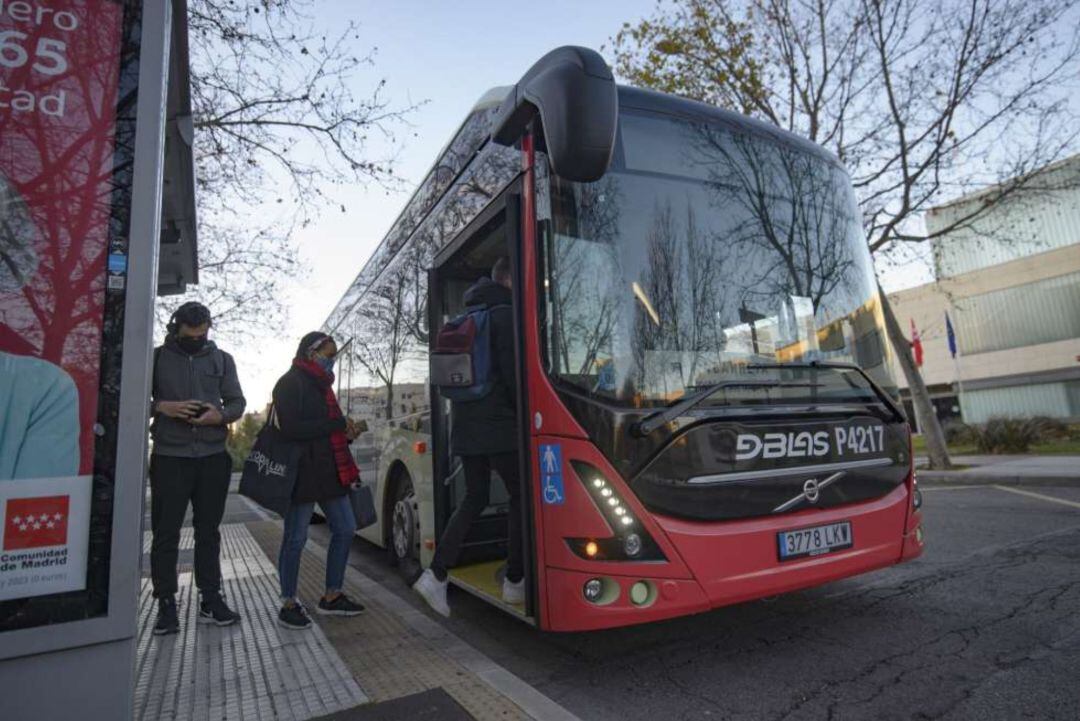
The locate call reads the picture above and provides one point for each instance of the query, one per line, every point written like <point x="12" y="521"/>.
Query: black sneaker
<point x="340" y="606"/>
<point x="167" y="620"/>
<point x="214" y="610"/>
<point x="293" y="616"/>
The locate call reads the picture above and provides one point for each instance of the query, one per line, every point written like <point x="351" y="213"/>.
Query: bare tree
<point x="383" y="335"/>
<point x="682" y="280"/>
<point x="921" y="101"/>
<point x="277" y="124"/>
<point x="800" y="242"/>
<point x="584" y="263"/>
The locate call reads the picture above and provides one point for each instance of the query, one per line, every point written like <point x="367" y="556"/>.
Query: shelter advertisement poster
<point x="59" y="77"/>
<point x="43" y="538"/>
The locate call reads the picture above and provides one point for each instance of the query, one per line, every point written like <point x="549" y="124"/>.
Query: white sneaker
<point x="433" y="591"/>
<point x="514" y="593"/>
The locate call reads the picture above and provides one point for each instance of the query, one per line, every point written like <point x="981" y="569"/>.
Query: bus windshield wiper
<point x="884" y="398"/>
<point x="651" y="422"/>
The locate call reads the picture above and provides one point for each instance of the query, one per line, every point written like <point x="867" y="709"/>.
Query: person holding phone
<point x="195" y="395"/>
<point x="307" y="413"/>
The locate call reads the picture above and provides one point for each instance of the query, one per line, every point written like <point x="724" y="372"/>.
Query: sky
<point x="444" y="55"/>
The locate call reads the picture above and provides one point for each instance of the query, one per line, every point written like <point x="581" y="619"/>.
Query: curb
<point x="528" y="698"/>
<point x="975" y="478"/>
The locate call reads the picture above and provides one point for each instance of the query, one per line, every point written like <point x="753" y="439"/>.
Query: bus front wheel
<point x="404" y="542"/>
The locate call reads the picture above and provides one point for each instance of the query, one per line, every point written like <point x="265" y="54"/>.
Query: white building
<point x="1010" y="282"/>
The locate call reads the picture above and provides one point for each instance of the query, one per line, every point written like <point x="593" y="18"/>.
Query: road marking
<point x="924" y="489"/>
<point x="1040" y="496"/>
<point x="256" y="508"/>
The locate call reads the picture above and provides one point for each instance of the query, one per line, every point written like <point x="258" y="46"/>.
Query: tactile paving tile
<point x="389" y="658"/>
<point x="251" y="670"/>
<point x="187" y="539"/>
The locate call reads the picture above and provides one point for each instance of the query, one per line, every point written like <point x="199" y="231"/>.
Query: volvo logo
<point x="811" y="491"/>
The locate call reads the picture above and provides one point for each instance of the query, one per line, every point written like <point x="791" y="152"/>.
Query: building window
<point x="1056" y="400"/>
<point x="1040" y="312"/>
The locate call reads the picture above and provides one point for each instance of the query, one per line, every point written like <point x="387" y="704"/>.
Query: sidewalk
<point x="1022" y="470"/>
<point x="393" y="662"/>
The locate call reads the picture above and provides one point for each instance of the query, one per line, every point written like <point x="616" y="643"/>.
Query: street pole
<point x="957" y="370"/>
<point x="959" y="385"/>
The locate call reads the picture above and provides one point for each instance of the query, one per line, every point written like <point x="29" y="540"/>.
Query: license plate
<point x="814" y="541"/>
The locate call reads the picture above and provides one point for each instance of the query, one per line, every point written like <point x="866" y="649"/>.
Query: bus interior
<point x="482" y="562"/>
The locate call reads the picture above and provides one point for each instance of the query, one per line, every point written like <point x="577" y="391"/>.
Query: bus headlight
<point x="593" y="589"/>
<point x="630" y="541"/>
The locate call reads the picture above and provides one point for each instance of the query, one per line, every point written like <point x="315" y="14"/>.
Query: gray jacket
<point x="209" y="375"/>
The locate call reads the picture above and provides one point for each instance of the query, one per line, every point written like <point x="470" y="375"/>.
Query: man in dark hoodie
<point x="195" y="395"/>
<point x="484" y="435"/>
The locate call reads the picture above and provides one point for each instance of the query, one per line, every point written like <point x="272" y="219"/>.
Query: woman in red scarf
<point x="307" y="413"/>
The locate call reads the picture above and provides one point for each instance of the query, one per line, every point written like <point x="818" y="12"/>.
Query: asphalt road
<point x="986" y="625"/>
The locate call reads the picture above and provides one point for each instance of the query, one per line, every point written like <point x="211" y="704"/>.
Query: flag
<point x="916" y="343"/>
<point x="952" y="336"/>
<point x="36" y="522"/>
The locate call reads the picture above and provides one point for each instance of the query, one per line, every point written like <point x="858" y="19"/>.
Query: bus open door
<point x="481" y="566"/>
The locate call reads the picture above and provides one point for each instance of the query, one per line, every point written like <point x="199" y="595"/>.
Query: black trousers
<point x="477" y="495"/>
<point x="173" y="482"/>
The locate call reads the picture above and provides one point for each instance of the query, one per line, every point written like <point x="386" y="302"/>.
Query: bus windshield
<point x="703" y="256"/>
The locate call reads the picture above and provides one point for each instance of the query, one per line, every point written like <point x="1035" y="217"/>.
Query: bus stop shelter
<point x="97" y="194"/>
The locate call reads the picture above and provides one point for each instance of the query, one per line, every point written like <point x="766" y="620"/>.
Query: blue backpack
<point x="462" y="364"/>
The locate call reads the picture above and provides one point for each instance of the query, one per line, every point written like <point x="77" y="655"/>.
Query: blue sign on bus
<point x="551" y="473"/>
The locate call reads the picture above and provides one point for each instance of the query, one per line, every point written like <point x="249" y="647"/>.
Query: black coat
<point x="300" y="405"/>
<point x="489" y="425"/>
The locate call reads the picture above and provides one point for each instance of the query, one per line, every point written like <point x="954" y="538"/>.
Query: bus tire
<point x="403" y="537"/>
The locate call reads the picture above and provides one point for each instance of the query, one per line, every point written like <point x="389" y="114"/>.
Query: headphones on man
<point x="173" y="326"/>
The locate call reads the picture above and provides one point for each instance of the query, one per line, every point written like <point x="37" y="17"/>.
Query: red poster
<point x="36" y="522"/>
<point x="59" y="74"/>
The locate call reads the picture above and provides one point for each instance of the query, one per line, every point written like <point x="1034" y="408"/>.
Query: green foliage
<point x="242" y="438"/>
<point x="696" y="49"/>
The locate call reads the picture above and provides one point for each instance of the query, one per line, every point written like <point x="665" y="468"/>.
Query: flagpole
<point x="955" y="348"/>
<point x="959" y="383"/>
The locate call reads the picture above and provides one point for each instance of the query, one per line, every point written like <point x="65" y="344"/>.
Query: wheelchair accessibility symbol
<point x="551" y="473"/>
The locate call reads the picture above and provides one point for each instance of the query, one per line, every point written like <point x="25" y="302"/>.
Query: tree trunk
<point x="389" y="401"/>
<point x="936" y="448"/>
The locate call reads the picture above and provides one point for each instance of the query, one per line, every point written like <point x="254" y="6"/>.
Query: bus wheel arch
<point x="401" y="506"/>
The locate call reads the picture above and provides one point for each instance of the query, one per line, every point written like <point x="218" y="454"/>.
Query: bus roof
<point x="656" y="102"/>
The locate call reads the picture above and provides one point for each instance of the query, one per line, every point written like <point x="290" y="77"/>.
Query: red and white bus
<point x="704" y="397"/>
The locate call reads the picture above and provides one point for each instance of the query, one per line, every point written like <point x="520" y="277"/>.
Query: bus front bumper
<point x="735" y="561"/>
<point x="739" y="561"/>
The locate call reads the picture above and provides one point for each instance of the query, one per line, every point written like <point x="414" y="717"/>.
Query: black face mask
<point x="191" y="345"/>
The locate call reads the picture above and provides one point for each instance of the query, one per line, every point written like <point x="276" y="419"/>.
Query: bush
<point x="1015" y="435"/>
<point x="956" y="432"/>
<point x="241" y="438"/>
<point x="1051" y="429"/>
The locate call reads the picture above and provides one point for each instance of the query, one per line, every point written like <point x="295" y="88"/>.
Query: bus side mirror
<point x="574" y="92"/>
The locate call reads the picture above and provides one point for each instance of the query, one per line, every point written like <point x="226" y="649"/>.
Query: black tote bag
<point x="363" y="506"/>
<point x="269" y="474"/>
